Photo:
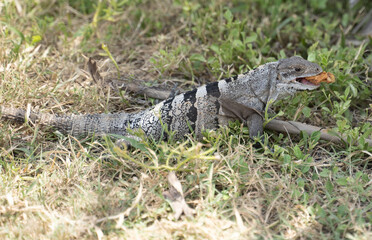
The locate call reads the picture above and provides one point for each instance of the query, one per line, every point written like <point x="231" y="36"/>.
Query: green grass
<point x="59" y="187"/>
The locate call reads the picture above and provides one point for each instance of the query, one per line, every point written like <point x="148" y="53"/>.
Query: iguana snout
<point x="297" y="74"/>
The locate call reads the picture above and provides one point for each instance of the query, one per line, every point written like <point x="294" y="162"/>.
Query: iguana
<point x="241" y="97"/>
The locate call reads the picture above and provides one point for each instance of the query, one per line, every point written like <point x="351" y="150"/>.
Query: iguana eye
<point x="298" y="69"/>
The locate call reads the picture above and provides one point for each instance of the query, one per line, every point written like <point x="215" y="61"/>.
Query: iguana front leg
<point x="255" y="126"/>
<point x="249" y="116"/>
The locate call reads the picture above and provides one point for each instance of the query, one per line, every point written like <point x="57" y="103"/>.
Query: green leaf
<point x="342" y="210"/>
<point x="342" y="181"/>
<point x="347" y="91"/>
<point x="297" y="152"/>
<point x="300" y="183"/>
<point x="228" y="16"/>
<point x="306" y="111"/>
<point x="215" y="48"/>
<point x="251" y="38"/>
<point x="329" y="187"/>
<point x="282" y="54"/>
<point x="324" y="173"/>
<point x="353" y="90"/>
<point x="311" y="57"/>
<point x="197" y="57"/>
<point x="35" y="39"/>
<point x="243" y="166"/>
<point x="305" y="169"/>
<point x="286" y="158"/>
<point x="237" y="43"/>
<point x="315" y="136"/>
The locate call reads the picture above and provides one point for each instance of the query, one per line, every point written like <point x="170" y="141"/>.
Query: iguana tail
<point x="76" y="125"/>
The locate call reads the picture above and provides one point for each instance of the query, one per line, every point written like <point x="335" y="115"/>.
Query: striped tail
<point x="76" y="125"/>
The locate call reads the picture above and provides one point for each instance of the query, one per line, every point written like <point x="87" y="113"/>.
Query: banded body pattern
<point x="194" y="110"/>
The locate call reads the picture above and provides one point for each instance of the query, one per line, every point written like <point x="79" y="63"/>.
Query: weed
<point x="55" y="186"/>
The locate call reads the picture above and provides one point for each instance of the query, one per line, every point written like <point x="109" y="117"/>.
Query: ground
<point x="294" y="187"/>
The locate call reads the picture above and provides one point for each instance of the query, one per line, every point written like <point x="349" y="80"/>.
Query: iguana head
<point x="292" y="74"/>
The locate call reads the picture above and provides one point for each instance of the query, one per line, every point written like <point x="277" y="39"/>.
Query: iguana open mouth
<point x="326" y="77"/>
<point x="306" y="82"/>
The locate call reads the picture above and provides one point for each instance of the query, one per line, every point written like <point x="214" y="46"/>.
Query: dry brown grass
<point x="59" y="187"/>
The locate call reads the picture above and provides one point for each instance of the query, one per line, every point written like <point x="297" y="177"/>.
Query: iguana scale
<point x="241" y="97"/>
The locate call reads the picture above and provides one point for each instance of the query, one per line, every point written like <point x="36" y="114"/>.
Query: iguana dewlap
<point x="241" y="97"/>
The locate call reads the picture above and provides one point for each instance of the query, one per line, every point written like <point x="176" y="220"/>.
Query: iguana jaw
<point x="304" y="84"/>
<point x="315" y="80"/>
<point x="298" y="84"/>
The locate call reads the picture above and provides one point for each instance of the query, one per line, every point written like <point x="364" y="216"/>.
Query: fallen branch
<point x="288" y="127"/>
